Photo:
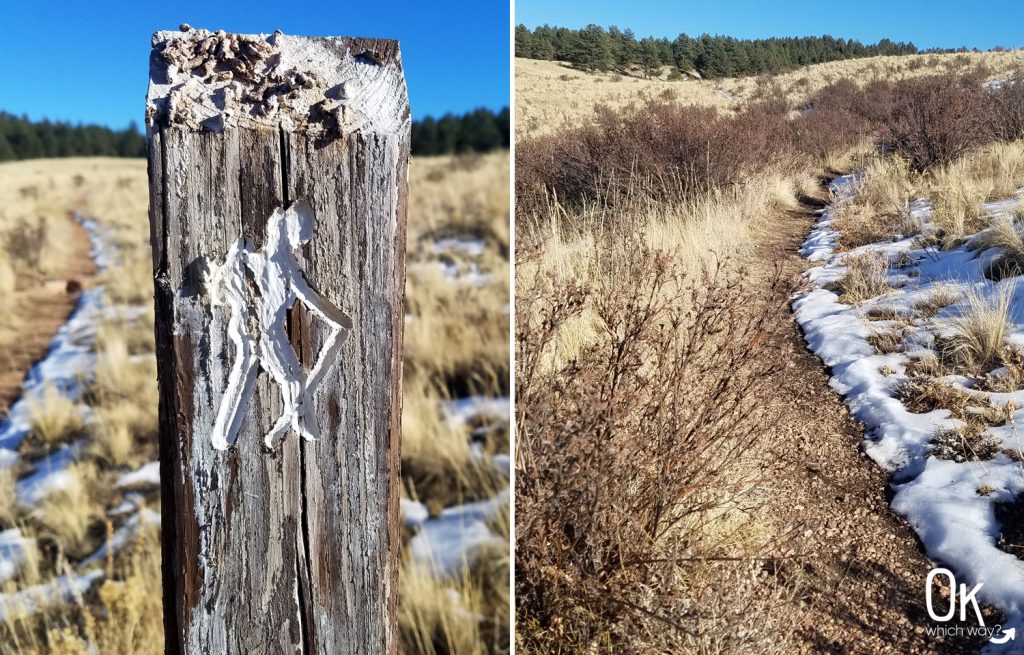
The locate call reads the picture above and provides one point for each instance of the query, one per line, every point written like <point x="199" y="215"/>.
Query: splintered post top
<point x="325" y="86"/>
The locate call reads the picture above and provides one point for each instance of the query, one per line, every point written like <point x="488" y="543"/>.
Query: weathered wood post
<point x="278" y="173"/>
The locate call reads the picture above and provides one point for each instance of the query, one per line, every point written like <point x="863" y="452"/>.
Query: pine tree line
<point x="21" y="138"/>
<point x="480" y="130"/>
<point x="595" y="49"/>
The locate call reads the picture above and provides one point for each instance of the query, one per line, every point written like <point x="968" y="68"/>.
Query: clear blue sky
<point x="937" y="23"/>
<point x="88" y="61"/>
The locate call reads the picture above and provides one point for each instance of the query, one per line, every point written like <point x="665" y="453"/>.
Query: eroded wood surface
<point x="292" y="549"/>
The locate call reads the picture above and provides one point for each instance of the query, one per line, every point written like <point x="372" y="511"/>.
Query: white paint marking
<point x="259" y="287"/>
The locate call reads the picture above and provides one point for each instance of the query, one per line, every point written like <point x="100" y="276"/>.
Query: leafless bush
<point x="25" y="242"/>
<point x="1006" y="109"/>
<point x="660" y="150"/>
<point x="628" y="453"/>
<point x="936" y="120"/>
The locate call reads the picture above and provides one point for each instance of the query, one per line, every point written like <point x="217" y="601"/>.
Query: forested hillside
<point x="21" y="138"/>
<point x="480" y="130"/>
<point x="595" y="48"/>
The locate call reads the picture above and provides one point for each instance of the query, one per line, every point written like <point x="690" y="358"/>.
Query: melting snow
<point x="447" y="542"/>
<point x="939" y="498"/>
<point x="146" y="475"/>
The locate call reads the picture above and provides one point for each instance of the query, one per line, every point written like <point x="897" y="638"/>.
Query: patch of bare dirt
<point x="41" y="309"/>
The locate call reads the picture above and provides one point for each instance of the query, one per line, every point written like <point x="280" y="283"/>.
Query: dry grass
<point x="8" y="500"/>
<point x="122" y="614"/>
<point x="887" y="341"/>
<point x="1003" y="233"/>
<point x="55" y="419"/>
<point x="550" y="95"/>
<point x="998" y="167"/>
<point x="457" y="333"/>
<point x="922" y="394"/>
<point x="437" y="465"/>
<point x="879" y="210"/>
<point x="865" y="277"/>
<point x="925" y="364"/>
<point x="940" y="297"/>
<point x="66" y="514"/>
<point x="956" y="203"/>
<point x="579" y="245"/>
<point x="966" y="443"/>
<point x="977" y="337"/>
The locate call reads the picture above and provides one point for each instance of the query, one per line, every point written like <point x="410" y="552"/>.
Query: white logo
<point x="966" y="599"/>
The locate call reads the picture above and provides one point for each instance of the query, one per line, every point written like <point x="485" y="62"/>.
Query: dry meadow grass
<point x="551" y="95"/>
<point x="457" y="343"/>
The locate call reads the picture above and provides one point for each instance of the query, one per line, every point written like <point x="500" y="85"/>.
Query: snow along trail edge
<point x="939" y="498"/>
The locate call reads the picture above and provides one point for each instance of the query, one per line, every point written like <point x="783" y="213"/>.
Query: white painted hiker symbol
<point x="259" y="287"/>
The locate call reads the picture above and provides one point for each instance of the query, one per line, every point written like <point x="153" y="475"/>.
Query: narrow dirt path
<point x="861" y="565"/>
<point x="41" y="310"/>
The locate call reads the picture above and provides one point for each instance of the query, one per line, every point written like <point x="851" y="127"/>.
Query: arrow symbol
<point x="1008" y="635"/>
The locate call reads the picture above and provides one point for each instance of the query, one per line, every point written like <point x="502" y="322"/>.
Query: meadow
<point x="551" y="95"/>
<point x="79" y="495"/>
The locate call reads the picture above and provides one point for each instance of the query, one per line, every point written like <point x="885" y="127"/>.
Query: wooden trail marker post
<point x="278" y="173"/>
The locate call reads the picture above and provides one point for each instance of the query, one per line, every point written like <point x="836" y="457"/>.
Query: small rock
<point x="185" y="27"/>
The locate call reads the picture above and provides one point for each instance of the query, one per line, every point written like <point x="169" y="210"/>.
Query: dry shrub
<point x="865" y="277"/>
<point x="936" y="119"/>
<point x="661" y="150"/>
<point x="1006" y="109"/>
<point x="628" y="455"/>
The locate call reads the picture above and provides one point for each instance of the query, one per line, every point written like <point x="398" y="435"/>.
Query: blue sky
<point x="937" y="23"/>
<point x="89" y="61"/>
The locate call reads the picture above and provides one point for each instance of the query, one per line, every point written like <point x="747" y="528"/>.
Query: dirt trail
<point x="862" y="565"/>
<point x="41" y="310"/>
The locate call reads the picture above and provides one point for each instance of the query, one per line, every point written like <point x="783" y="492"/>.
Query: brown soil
<point x="42" y="308"/>
<point x="862" y="565"/>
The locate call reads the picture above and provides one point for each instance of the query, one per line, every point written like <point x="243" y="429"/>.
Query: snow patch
<point x="939" y="498"/>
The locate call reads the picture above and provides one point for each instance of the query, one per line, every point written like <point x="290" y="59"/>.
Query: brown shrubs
<point x="936" y="119"/>
<point x="627" y="455"/>
<point x="659" y="151"/>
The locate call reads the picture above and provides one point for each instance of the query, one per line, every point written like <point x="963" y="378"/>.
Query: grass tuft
<point x="55" y="419"/>
<point x="1003" y="233"/>
<point x="865" y="277"/>
<point x="978" y="335"/>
